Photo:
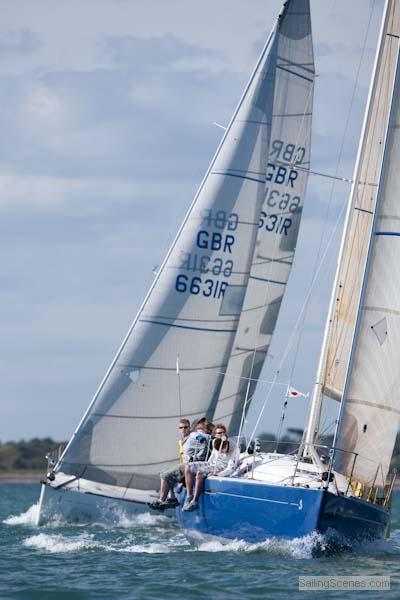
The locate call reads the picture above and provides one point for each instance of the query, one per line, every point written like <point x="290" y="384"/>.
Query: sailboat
<point x="215" y="299"/>
<point x="202" y="334"/>
<point x="344" y="489"/>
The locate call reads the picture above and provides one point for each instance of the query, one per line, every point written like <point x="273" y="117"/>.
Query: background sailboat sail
<point x="292" y="65"/>
<point x="371" y="405"/>
<point x="349" y="278"/>
<point x="128" y="433"/>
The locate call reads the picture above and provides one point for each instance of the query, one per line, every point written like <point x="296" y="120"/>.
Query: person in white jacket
<point x="218" y="462"/>
<point x="193" y="447"/>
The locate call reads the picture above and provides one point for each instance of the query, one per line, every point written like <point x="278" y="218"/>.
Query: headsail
<point x="292" y="66"/>
<point x="192" y="310"/>
<point x="342" y="316"/>
<point x="370" y="413"/>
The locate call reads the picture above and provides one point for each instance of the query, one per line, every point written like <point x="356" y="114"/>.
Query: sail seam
<point x="236" y="175"/>
<point x="373" y="405"/>
<point x="267" y="280"/>
<point x="192" y="369"/>
<point x="284" y="115"/>
<point x="247" y="171"/>
<point x="391" y="233"/>
<point x="188" y="327"/>
<point x="187" y="320"/>
<point x="177" y="416"/>
<point x="296" y="64"/>
<point x="253" y="121"/>
<point x="293" y="73"/>
<point x="390" y="311"/>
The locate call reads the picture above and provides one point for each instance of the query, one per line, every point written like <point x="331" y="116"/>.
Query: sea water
<point x="147" y="556"/>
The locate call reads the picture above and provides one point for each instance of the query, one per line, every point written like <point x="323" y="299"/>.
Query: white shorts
<point x="201" y="467"/>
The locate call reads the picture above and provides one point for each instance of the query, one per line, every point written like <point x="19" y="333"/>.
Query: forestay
<point x="192" y="310"/>
<point x="371" y="405"/>
<point x="292" y="66"/>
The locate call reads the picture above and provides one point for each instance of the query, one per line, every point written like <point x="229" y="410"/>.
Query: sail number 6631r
<point x="196" y="285"/>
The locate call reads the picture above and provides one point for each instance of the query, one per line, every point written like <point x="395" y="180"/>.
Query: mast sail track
<point x="346" y="291"/>
<point x="128" y="434"/>
<point x="289" y="150"/>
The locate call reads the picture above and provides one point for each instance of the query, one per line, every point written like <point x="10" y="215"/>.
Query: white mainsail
<point x="346" y="293"/>
<point x="193" y="308"/>
<point x="370" y="412"/>
<point x="289" y="153"/>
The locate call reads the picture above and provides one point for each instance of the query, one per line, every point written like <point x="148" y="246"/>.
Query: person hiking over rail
<point x="193" y="446"/>
<point x="218" y="461"/>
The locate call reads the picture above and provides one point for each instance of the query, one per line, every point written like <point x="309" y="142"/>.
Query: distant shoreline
<point x="22" y="476"/>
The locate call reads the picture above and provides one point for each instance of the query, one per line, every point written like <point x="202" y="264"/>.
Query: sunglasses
<point x="183" y="426"/>
<point x="219" y="432"/>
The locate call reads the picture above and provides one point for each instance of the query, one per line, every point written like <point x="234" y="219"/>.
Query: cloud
<point x="162" y="52"/>
<point x="106" y="119"/>
<point x="134" y="120"/>
<point x="18" y="42"/>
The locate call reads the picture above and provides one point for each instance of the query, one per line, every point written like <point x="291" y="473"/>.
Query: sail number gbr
<point x="207" y="239"/>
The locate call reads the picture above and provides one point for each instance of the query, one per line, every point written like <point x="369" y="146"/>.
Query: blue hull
<point x="254" y="511"/>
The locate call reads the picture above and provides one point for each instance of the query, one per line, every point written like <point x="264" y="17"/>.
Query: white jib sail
<point x="342" y="316"/>
<point x="286" y="168"/>
<point x="371" y="406"/>
<point x="192" y="310"/>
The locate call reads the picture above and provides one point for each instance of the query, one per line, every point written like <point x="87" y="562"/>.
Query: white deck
<point x="287" y="470"/>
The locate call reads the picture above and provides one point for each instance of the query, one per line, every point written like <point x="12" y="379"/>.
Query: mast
<point x="334" y="305"/>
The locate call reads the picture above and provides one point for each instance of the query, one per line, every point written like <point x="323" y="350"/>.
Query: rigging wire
<point x="178" y="372"/>
<point x="299" y="318"/>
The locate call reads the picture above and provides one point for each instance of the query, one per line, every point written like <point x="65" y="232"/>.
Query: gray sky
<point x="106" y="111"/>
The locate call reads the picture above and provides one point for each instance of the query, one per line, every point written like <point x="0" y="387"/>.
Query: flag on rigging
<point x="293" y="393"/>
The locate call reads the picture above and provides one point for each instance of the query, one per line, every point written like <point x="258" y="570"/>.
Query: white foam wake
<point x="147" y="519"/>
<point x="119" y="519"/>
<point x="143" y="548"/>
<point x="57" y="543"/>
<point x="298" y="548"/>
<point x="60" y="543"/>
<point x="27" y="518"/>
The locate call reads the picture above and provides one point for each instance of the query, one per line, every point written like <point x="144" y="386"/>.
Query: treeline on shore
<point x="26" y="455"/>
<point x="31" y="455"/>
